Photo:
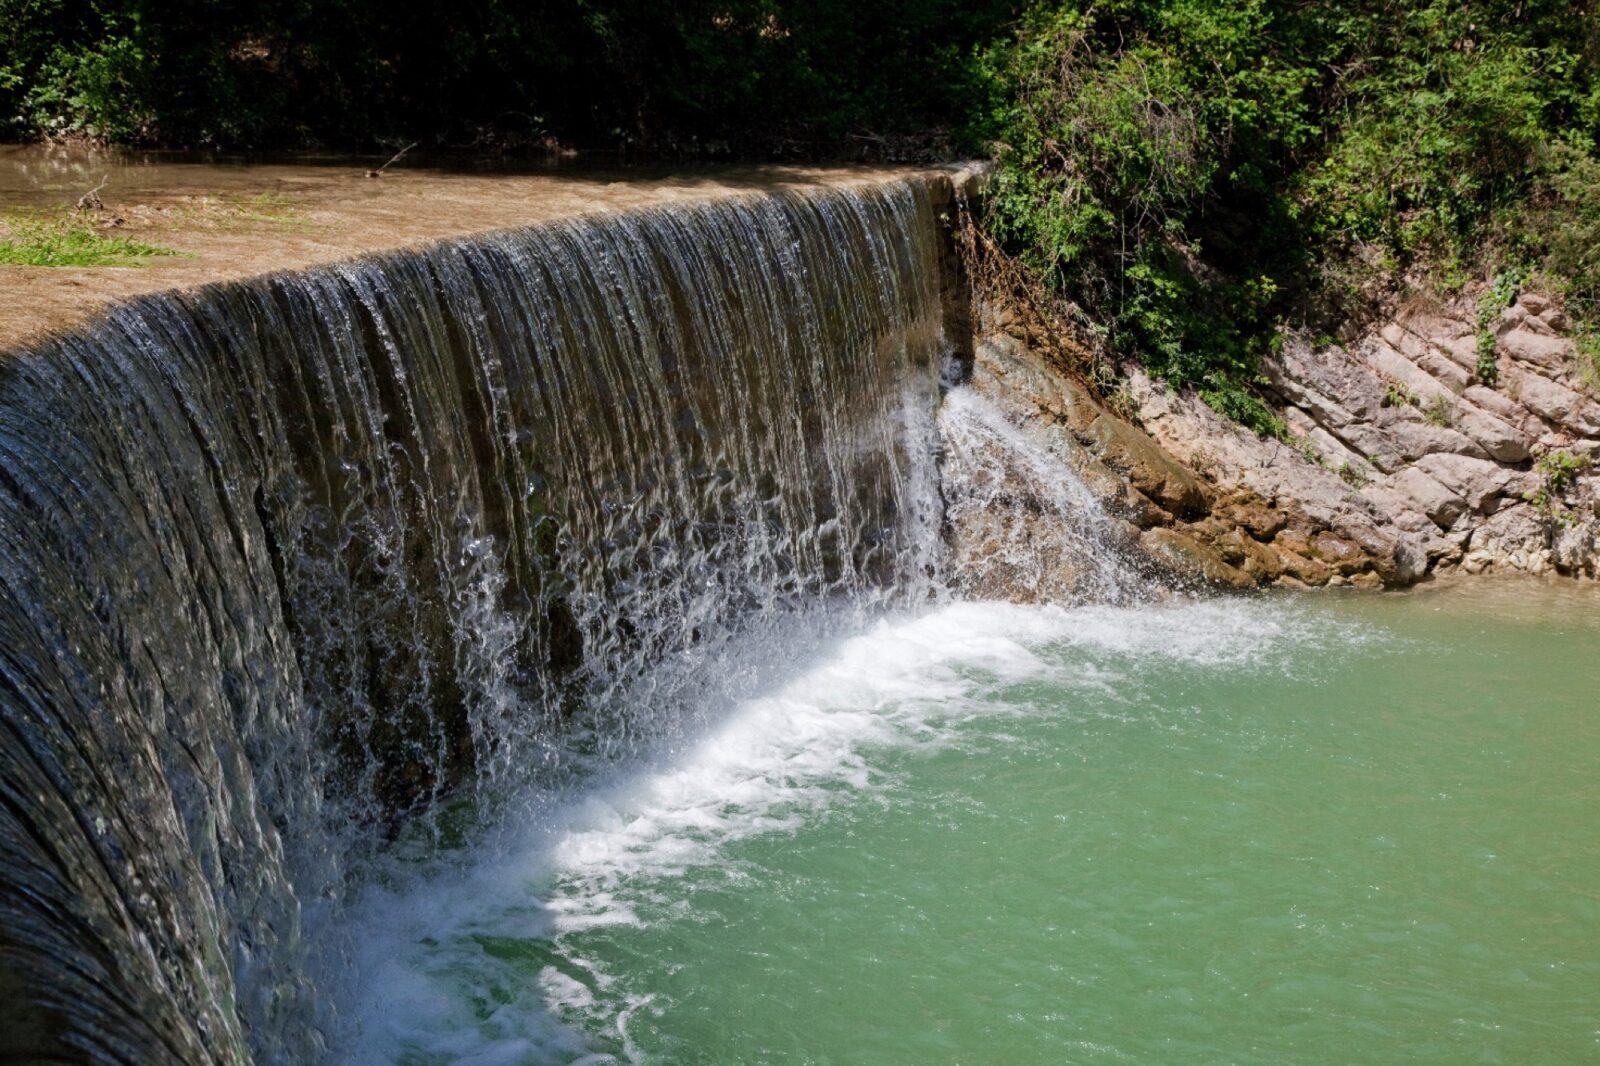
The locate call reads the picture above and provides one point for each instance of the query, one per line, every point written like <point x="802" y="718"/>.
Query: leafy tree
<point x="1194" y="174"/>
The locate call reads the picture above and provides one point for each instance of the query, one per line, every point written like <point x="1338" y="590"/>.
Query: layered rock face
<point x="1483" y="471"/>
<point x="1174" y="487"/>
<point x="1402" y="459"/>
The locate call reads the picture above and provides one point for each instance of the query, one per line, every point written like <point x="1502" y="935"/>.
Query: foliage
<point x="1495" y="299"/>
<point x="1588" y="346"/>
<point x="1356" y="477"/>
<point x="1197" y="175"/>
<point x="1182" y="179"/>
<point x="1440" y="411"/>
<point x="757" y="76"/>
<point x="1399" y="394"/>
<point x="1119" y="123"/>
<point x="1558" y="472"/>
<point x="59" y="241"/>
<point x="1307" y="449"/>
<point x="1570" y="218"/>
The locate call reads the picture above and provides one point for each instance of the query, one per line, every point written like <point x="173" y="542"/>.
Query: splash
<point x="294" y="565"/>
<point x="1022" y="525"/>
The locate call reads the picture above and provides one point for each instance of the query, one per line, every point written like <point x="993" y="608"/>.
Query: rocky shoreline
<point x="1402" y="462"/>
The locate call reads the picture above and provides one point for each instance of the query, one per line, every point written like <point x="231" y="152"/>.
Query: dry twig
<point x="378" y="172"/>
<point x="90" y="201"/>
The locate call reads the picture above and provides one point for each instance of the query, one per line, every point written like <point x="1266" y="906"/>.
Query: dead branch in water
<point x="90" y="201"/>
<point x="378" y="172"/>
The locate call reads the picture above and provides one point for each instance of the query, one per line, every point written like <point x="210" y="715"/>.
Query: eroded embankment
<point x="1431" y="445"/>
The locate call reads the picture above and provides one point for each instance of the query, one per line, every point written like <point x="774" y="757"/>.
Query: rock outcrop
<point x="1481" y="470"/>
<point x="1402" y="460"/>
<point x="1176" y="500"/>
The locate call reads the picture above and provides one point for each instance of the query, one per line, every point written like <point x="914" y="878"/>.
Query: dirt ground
<point x="234" y="220"/>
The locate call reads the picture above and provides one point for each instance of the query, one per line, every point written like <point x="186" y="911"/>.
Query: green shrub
<point x="1499" y="296"/>
<point x="1356" y="477"/>
<point x="1440" y="410"/>
<point x="1398" y="394"/>
<point x="1558" y="471"/>
<point x="1195" y="176"/>
<point x="1119" y="126"/>
<point x="696" y="77"/>
<point x="1569" y="222"/>
<point x="49" y="241"/>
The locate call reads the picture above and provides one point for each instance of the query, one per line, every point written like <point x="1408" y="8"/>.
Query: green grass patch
<point x="66" y="241"/>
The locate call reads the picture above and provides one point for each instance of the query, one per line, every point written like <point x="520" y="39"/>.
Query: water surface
<point x="1338" y="828"/>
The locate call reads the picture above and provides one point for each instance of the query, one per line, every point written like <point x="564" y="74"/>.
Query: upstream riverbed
<point x="1330" y="828"/>
<point x="233" y="218"/>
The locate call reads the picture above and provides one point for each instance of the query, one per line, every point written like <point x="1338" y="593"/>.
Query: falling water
<point x="288" y="564"/>
<point x="1022" y="526"/>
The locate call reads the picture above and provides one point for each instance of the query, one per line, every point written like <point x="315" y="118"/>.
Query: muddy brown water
<point x="237" y="218"/>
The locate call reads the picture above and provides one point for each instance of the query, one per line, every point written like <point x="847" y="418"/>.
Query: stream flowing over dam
<point x="690" y="634"/>
<point x="289" y="566"/>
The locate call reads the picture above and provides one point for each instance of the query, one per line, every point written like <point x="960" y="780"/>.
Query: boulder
<point x="1259" y="520"/>
<point x="1152" y="471"/>
<point x="1385" y="549"/>
<point x="1511" y="530"/>
<point x="1184" y="555"/>
<point x="1503" y="442"/>
<point x="1341" y="553"/>
<point x="1329" y="384"/>
<point x="1301" y="559"/>
<point x="1479" y="482"/>
<point x="1002" y="358"/>
<point x="1502" y="407"/>
<point x="1424" y="349"/>
<point x="1390" y="363"/>
<point x="1118" y="497"/>
<point x="1242" y="551"/>
<point x="1553" y="402"/>
<point x="1533" y="303"/>
<point x="1463" y="351"/>
<point x="1407" y="436"/>
<point x="1574" y="547"/>
<point x="1400" y="508"/>
<point x="1537" y="347"/>
<point x="1427" y="495"/>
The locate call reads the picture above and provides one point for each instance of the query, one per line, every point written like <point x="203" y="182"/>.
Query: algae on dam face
<point x="285" y="561"/>
<point x="1317" y="829"/>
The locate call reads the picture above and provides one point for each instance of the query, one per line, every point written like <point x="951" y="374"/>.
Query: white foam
<point x="779" y="759"/>
<point x="770" y="767"/>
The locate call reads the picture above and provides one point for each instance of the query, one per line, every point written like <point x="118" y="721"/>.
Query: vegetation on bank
<point x="700" y="78"/>
<point x="1177" y="180"/>
<point x="1191" y="176"/>
<point x="62" y="240"/>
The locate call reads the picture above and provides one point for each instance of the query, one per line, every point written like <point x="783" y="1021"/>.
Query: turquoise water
<point x="1337" y="828"/>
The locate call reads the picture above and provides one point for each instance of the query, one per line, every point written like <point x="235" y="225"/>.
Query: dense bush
<point x="1195" y="174"/>
<point x="1566" y="214"/>
<point x="1191" y="175"/>
<point x="803" y="77"/>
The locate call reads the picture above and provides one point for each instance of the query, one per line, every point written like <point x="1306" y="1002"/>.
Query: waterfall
<point x="286" y="562"/>
<point x="1021" y="524"/>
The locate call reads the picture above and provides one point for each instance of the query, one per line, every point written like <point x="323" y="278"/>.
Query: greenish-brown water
<point x="1321" y="829"/>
